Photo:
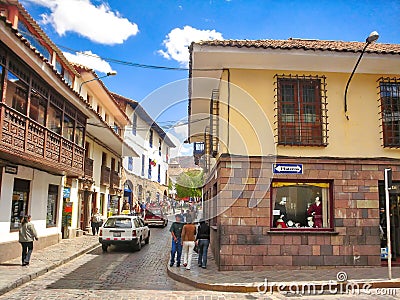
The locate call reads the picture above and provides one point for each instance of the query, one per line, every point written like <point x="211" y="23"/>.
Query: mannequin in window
<point x="315" y="210"/>
<point x="282" y="216"/>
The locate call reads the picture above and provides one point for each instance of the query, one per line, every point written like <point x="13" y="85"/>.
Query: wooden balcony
<point x="88" y="168"/>
<point x="24" y="140"/>
<point x="105" y="176"/>
<point x="115" y="180"/>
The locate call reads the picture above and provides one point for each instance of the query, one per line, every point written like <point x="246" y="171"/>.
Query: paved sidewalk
<point x="12" y="274"/>
<point x="256" y="281"/>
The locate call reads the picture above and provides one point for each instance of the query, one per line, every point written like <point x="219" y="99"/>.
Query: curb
<point x="289" y="287"/>
<point x="26" y="278"/>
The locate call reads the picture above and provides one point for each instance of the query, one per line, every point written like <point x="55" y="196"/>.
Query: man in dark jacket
<point x="203" y="241"/>
<point x="176" y="247"/>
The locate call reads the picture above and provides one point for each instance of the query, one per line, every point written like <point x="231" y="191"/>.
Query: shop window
<point x="390" y="110"/>
<point x="301" y="205"/>
<point x="52" y="200"/>
<point x="301" y="110"/>
<point x="20" y="201"/>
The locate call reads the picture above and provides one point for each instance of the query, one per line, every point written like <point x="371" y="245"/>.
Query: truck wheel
<point x="104" y="247"/>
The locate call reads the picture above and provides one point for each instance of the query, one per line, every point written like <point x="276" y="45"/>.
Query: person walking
<point x="188" y="241"/>
<point x="203" y="241"/>
<point x="95" y="221"/>
<point x="176" y="247"/>
<point x="27" y="233"/>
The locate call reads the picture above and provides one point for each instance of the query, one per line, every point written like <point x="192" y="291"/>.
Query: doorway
<point x="394" y="204"/>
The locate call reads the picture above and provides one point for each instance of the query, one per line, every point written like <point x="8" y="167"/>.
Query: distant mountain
<point x="186" y="162"/>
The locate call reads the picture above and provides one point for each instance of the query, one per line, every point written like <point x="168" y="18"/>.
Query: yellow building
<point x="295" y="167"/>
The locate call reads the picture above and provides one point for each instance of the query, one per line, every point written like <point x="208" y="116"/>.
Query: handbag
<point x="196" y="249"/>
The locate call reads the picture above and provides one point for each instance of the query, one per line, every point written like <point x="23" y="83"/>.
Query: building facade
<point x="295" y="167"/>
<point x="61" y="142"/>
<point x="146" y="176"/>
<point x="43" y="125"/>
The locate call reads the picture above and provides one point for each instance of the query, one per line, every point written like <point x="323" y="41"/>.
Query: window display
<point x="19" y="205"/>
<point x="303" y="205"/>
<point x="51" y="219"/>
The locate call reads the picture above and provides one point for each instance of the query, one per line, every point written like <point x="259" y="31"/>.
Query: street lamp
<point x="373" y="36"/>
<point x="112" y="73"/>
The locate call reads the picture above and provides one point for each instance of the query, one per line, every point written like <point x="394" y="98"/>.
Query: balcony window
<point x="37" y="109"/>
<point x="151" y="138"/>
<point x="130" y="163"/>
<point x="134" y="124"/>
<point x="68" y="128"/>
<point x="390" y="110"/>
<point x="33" y="40"/>
<point x="54" y="119"/>
<point x="149" y="169"/>
<point x="301" y="110"/>
<point x="143" y="162"/>
<point x="301" y="205"/>
<point x="16" y="93"/>
<point x="79" y="135"/>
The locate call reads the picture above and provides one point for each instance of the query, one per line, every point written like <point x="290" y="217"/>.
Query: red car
<point x="155" y="216"/>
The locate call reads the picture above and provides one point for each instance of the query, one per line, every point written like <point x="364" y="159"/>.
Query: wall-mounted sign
<point x="287" y="168"/>
<point x="67" y="192"/>
<point x="11" y="169"/>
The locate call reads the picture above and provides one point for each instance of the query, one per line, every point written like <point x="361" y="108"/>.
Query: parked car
<point x="124" y="229"/>
<point x="155" y="217"/>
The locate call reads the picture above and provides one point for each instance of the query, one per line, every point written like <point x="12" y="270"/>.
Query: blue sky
<point x="158" y="32"/>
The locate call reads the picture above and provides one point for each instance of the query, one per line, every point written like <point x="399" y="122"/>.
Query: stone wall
<point x="244" y="234"/>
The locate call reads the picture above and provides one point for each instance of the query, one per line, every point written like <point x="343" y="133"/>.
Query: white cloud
<point x="97" y="23"/>
<point x="178" y="41"/>
<point x="90" y="60"/>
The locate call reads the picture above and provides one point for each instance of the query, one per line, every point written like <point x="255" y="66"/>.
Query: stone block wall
<point x="244" y="236"/>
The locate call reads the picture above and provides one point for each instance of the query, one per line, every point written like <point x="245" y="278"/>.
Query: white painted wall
<point x="37" y="206"/>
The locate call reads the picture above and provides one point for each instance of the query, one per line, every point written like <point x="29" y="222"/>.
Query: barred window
<point x="301" y="110"/>
<point x="390" y="110"/>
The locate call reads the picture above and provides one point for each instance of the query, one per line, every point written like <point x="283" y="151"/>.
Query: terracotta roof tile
<point x="320" y="45"/>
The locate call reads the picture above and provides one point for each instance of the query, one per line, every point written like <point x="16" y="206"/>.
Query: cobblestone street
<point x="117" y="274"/>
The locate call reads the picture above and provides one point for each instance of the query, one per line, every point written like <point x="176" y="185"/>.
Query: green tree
<point x="189" y="184"/>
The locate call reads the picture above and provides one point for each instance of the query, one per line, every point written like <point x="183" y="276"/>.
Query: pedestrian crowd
<point x="186" y="238"/>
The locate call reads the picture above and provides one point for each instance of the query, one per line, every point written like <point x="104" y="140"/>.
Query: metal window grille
<point x="389" y="99"/>
<point x="301" y="110"/>
<point x="214" y="123"/>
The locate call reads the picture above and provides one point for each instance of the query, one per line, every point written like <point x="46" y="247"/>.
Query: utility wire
<point x="114" y="60"/>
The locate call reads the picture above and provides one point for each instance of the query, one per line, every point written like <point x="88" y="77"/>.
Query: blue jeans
<point x="27" y="248"/>
<point x="176" y="248"/>
<point x="203" y="249"/>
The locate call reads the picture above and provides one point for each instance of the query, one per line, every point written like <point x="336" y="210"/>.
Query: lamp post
<point x="112" y="73"/>
<point x="373" y="36"/>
